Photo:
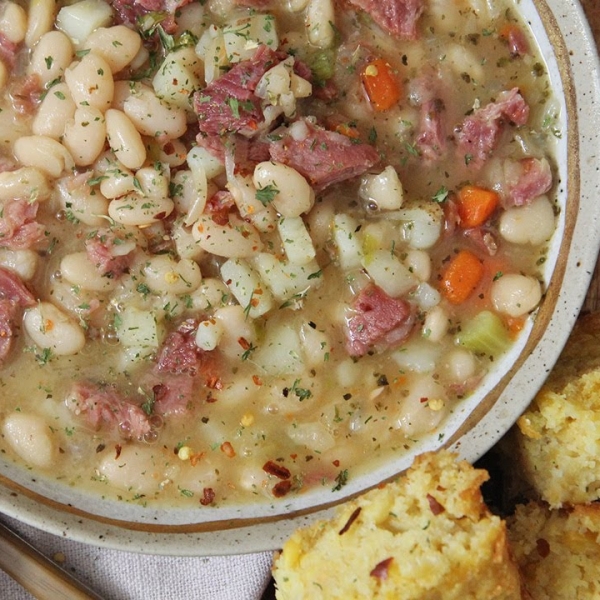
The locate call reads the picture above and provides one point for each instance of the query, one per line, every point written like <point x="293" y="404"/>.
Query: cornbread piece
<point x="558" y="551"/>
<point x="557" y="439"/>
<point x="428" y="535"/>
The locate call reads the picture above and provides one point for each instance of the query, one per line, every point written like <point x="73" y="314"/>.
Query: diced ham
<point x="14" y="297"/>
<point x="431" y="141"/>
<point x="102" y="406"/>
<point x="8" y="51"/>
<point x="173" y="395"/>
<point x="526" y="179"/>
<point x="479" y="132"/>
<point x="229" y="104"/>
<point x="398" y="17"/>
<point x="110" y="254"/>
<point x="378" y="319"/>
<point x="179" y="353"/>
<point x="323" y="157"/>
<point x="18" y="228"/>
<point x="12" y="288"/>
<point x="219" y="206"/>
<point x="26" y="94"/>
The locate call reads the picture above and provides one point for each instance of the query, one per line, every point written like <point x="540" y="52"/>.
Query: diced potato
<point x="178" y="77"/>
<point x="296" y="240"/>
<point x="279" y="352"/>
<point x="245" y="284"/>
<point x="389" y="273"/>
<point x="243" y="36"/>
<point x="79" y="20"/>
<point x="139" y="328"/>
<point x="348" y="242"/>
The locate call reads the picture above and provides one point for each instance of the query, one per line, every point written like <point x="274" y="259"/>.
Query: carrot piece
<point x="381" y="85"/>
<point x="462" y="276"/>
<point x="348" y="130"/>
<point x="475" y="205"/>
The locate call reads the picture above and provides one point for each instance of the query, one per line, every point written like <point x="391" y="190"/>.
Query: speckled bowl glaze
<point x="567" y="44"/>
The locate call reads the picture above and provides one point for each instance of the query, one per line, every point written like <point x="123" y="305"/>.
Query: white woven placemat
<point x="117" y="575"/>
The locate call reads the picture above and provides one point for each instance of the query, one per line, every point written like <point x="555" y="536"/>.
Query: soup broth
<point x="252" y="248"/>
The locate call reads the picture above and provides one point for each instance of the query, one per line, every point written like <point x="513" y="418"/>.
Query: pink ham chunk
<point x="479" y="132"/>
<point x="103" y="407"/>
<point x="398" y="17"/>
<point x="323" y="157"/>
<point x="378" y="320"/>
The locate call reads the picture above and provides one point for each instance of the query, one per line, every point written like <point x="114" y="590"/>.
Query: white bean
<point x="133" y="209"/>
<point x="84" y="204"/>
<point x="236" y="239"/>
<point x="13" y="22"/>
<point x="436" y="324"/>
<point x="30" y="437"/>
<point x="419" y="264"/>
<point x="245" y="284"/>
<point x="153" y="181"/>
<point x="208" y="334"/>
<point x="236" y="326"/>
<point x="124" y="139"/>
<point x="117" y="45"/>
<point x="297" y="244"/>
<point x="178" y="77"/>
<point x="43" y="153"/>
<point x="384" y="189"/>
<point x="115" y="179"/>
<point x="85" y="134"/>
<point x="51" y="56"/>
<point x="49" y="327"/>
<point x="212" y="293"/>
<point x="172" y="153"/>
<point x="422" y="410"/>
<point x="153" y="117"/>
<point x="530" y="224"/>
<point x="320" y="17"/>
<point x="77" y="269"/>
<point x="288" y="191"/>
<point x="201" y="157"/>
<point x="40" y="20"/>
<point x="164" y="275"/>
<point x="22" y="262"/>
<point x="91" y="82"/>
<point x="136" y="470"/>
<point x="515" y="295"/>
<point x="460" y="365"/>
<point x="29" y="183"/>
<point x="56" y="109"/>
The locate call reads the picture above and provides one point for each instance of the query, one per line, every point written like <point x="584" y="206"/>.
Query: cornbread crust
<point x="427" y="535"/>
<point x="557" y="439"/>
<point x="557" y="551"/>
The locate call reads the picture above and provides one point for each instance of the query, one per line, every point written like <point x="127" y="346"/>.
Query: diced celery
<point x="322" y="65"/>
<point x="484" y="334"/>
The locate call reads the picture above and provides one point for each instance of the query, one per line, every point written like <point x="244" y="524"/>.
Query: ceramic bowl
<point x="567" y="44"/>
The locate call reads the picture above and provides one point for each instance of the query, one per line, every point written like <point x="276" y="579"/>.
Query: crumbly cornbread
<point x="427" y="536"/>
<point x="557" y="439"/>
<point x="558" y="551"/>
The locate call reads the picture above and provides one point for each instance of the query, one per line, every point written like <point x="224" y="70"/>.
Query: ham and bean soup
<point x="253" y="247"/>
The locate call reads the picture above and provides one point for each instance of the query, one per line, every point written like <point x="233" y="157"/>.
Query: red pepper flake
<point x="210" y="398"/>
<point x="293" y="456"/>
<point x="336" y="463"/>
<point x="214" y="383"/>
<point x="272" y="468"/>
<point x="195" y="458"/>
<point x="381" y="570"/>
<point x="350" y="520"/>
<point x="244" y="343"/>
<point x="118" y="449"/>
<point x="543" y="547"/>
<point x="208" y="496"/>
<point x="282" y="488"/>
<point x="424" y="400"/>
<point x="434" y="505"/>
<point x="257" y="380"/>
<point x="227" y="449"/>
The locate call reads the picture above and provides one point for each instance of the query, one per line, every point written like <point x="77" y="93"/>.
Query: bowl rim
<point x="567" y="30"/>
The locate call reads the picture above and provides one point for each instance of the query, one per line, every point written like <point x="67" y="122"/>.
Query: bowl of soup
<point x="255" y="256"/>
